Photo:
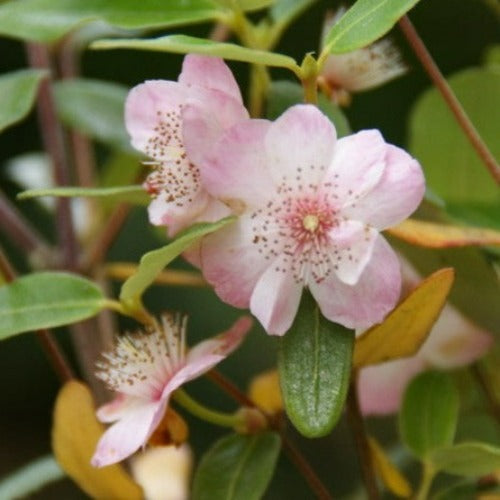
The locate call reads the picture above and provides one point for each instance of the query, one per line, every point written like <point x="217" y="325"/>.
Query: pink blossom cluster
<point x="310" y="206"/>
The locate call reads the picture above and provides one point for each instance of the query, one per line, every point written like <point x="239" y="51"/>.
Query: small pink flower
<point x="145" y="369"/>
<point x="311" y="208"/>
<point x="153" y="117"/>
<point x="453" y="342"/>
<point x="361" y="69"/>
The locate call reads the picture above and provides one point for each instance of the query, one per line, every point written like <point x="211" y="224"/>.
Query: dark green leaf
<point x="49" y="20"/>
<point x="94" y="108"/>
<point x="365" y="22"/>
<point x="284" y="94"/>
<point x="459" y="491"/>
<point x="452" y="168"/>
<point x="237" y="467"/>
<point x="314" y="362"/>
<point x="152" y="263"/>
<point x="45" y="300"/>
<point x="428" y="417"/>
<point x="183" y="44"/>
<point x="467" y="459"/>
<point x="130" y="194"/>
<point x="17" y="95"/>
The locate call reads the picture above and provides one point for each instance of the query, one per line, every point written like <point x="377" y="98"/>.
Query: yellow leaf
<point x="75" y="433"/>
<point x="395" y="482"/>
<point x="434" y="235"/>
<point x="405" y="329"/>
<point x="265" y="392"/>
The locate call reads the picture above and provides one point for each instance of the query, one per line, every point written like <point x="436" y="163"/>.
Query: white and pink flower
<point x="311" y="208"/>
<point x="144" y="370"/>
<point x="153" y="117"/>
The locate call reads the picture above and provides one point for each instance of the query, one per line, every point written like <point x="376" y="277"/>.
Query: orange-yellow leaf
<point x="75" y="434"/>
<point x="434" y="235"/>
<point x="405" y="329"/>
<point x="265" y="392"/>
<point x="395" y="482"/>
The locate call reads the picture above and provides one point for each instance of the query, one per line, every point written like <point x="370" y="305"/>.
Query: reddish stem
<point x="449" y="97"/>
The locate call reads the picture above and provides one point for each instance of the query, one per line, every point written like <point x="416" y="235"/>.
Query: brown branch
<point x="49" y="345"/>
<point x="292" y="452"/>
<point x="449" y="97"/>
<point x="357" y="425"/>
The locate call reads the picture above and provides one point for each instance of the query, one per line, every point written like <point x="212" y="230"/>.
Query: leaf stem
<point x="428" y="474"/>
<point x="361" y="439"/>
<point x="449" y="97"/>
<point x="136" y="311"/>
<point x="231" y="420"/>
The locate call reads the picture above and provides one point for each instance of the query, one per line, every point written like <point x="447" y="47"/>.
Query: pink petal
<point x="231" y="263"/>
<point x="145" y="110"/>
<point x="357" y="165"/>
<point x="209" y="72"/>
<point x="299" y="147"/>
<point x="454" y="341"/>
<point x="128" y="434"/>
<point x="352" y="244"/>
<point x="397" y="194"/>
<point x="117" y="408"/>
<point x="370" y="299"/>
<point x="276" y="297"/>
<point x="235" y="169"/>
<point x="381" y="387"/>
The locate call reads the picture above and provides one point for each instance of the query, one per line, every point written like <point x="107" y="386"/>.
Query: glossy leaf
<point x="130" y="194"/>
<point x="183" y="44"/>
<point x="152" y="263"/>
<point x="284" y="94"/>
<point x="75" y="433"/>
<point x="237" y="467"/>
<point x="95" y="108"/>
<point x="406" y="328"/>
<point x="433" y="235"/>
<point x="476" y="288"/>
<point x="17" y="95"/>
<point x="452" y="167"/>
<point x="45" y="300"/>
<point x="393" y="479"/>
<point x="429" y="413"/>
<point x="49" y="20"/>
<point x="467" y="459"/>
<point x="365" y="22"/>
<point x="314" y="362"/>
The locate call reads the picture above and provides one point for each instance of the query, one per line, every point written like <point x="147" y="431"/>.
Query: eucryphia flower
<point x="311" y="208"/>
<point x="360" y="69"/>
<point x="453" y="342"/>
<point x="153" y="117"/>
<point x="144" y="370"/>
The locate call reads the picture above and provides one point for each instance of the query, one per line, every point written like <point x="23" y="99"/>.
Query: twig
<point x="449" y="97"/>
<point x="56" y="358"/>
<point x="359" y="433"/>
<point x="292" y="452"/>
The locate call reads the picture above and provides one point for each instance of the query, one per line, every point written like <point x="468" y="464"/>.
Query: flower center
<point x="310" y="222"/>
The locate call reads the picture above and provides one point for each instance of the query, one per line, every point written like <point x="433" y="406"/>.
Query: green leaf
<point x="152" y="263"/>
<point x="237" y="467"/>
<point x="284" y="94"/>
<point x="459" y="491"/>
<point x="284" y="11"/>
<point x="183" y="44"/>
<point x="251" y="5"/>
<point x="94" y="108"/>
<point x="314" y="362"/>
<point x="45" y="300"/>
<point x="428" y="417"/>
<point x="365" y="22"/>
<point x="17" y="95"/>
<point x="49" y="20"/>
<point x="467" y="459"/>
<point x="129" y="194"/>
<point x="452" y="167"/>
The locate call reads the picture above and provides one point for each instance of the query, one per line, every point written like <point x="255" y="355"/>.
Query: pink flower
<point x="311" y="208"/>
<point x="153" y="117"/>
<point x="145" y="369"/>
<point x="453" y="342"/>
